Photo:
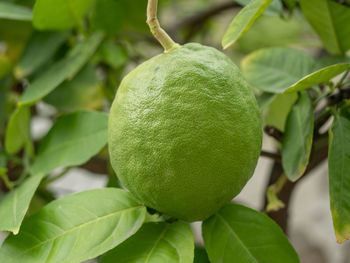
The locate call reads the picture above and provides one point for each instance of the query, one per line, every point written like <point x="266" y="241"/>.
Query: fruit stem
<point x="153" y="23"/>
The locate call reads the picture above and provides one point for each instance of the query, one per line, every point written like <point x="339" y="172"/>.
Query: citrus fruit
<point x="185" y="132"/>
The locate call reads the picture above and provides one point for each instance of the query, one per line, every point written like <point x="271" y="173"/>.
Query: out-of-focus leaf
<point x="278" y="110"/>
<point x="331" y="22"/>
<point x="17" y="131"/>
<point x="134" y="15"/>
<point x="319" y="76"/>
<point x="5" y="65"/>
<point x="275" y="8"/>
<point x="290" y="3"/>
<point x="62" y="70"/>
<point x="14" y="205"/>
<point x="241" y="235"/>
<point x="4" y="105"/>
<point x="339" y="171"/>
<point x="112" y="54"/>
<point x="275" y="69"/>
<point x="84" y="91"/>
<point x="327" y="61"/>
<point x="15" y="12"/>
<point x="200" y="255"/>
<point x="40" y="48"/>
<point x="265" y="99"/>
<point x="14" y="35"/>
<point x="75" y="228"/>
<point x="58" y="14"/>
<point x="73" y="140"/>
<point x="156" y="242"/>
<point x="276" y="31"/>
<point x="297" y="139"/>
<point x="107" y="16"/>
<point x="243" y="21"/>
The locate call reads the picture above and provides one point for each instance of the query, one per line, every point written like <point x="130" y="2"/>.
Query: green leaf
<point x="14" y="205"/>
<point x="278" y="110"/>
<point x="59" y="14"/>
<point x="275" y="69"/>
<point x="243" y="21"/>
<point x="320" y="76"/>
<point x="112" y="54"/>
<point x="75" y="228"/>
<point x="73" y="140"/>
<point x="275" y="8"/>
<point x="200" y="255"/>
<point x="265" y="99"/>
<point x="339" y="179"/>
<point x="40" y="48"/>
<point x="297" y="139"/>
<point x="156" y="242"/>
<point x="331" y="22"/>
<point x="17" y="131"/>
<point x="242" y="235"/>
<point x="62" y="70"/>
<point x="15" y="12"/>
<point x="84" y="91"/>
<point x="107" y="16"/>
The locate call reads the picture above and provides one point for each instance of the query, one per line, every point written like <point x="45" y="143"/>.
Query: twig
<point x="153" y="23"/>
<point x="274" y="132"/>
<point x="274" y="156"/>
<point x="275" y="204"/>
<point x="55" y="178"/>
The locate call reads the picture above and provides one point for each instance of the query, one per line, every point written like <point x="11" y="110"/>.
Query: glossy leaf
<point x="75" y="228"/>
<point x="14" y="205"/>
<point x="17" y="131"/>
<point x="82" y="92"/>
<point x="62" y="70"/>
<point x="40" y="48"/>
<point x="15" y="12"/>
<point x="331" y="22"/>
<point x="297" y="139"/>
<point x="242" y="235"/>
<point x="243" y="21"/>
<point x="339" y="179"/>
<point x="275" y="69"/>
<point x="319" y="76"/>
<point x="58" y="14"/>
<point x="156" y="243"/>
<point x="73" y="140"/>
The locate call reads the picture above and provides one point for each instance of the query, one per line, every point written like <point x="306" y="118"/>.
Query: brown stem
<point x="274" y="132"/>
<point x="274" y="156"/>
<point x="318" y="155"/>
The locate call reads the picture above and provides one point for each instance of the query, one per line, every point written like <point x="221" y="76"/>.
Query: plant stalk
<point x="153" y="23"/>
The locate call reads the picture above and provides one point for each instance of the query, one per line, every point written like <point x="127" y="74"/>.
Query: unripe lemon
<point x="185" y="132"/>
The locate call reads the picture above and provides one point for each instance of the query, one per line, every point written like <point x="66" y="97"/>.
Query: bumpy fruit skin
<point x="185" y="132"/>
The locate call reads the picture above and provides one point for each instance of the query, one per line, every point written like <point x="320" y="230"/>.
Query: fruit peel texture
<point x="185" y="132"/>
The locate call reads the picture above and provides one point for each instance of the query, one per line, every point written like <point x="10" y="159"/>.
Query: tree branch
<point x="274" y="132"/>
<point x="276" y="157"/>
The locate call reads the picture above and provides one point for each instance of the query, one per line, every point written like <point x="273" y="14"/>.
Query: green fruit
<point x="185" y="132"/>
